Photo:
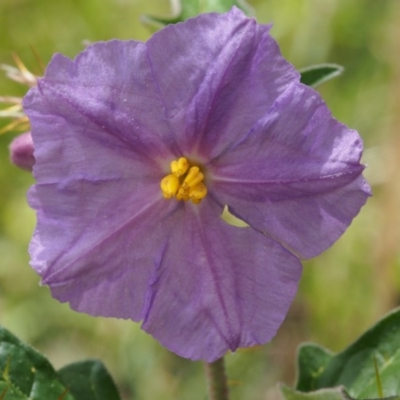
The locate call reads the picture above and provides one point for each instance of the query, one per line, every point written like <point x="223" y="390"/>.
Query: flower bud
<point x="21" y="151"/>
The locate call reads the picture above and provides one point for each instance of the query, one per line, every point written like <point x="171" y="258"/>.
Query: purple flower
<point x="214" y="97"/>
<point x="21" y="151"/>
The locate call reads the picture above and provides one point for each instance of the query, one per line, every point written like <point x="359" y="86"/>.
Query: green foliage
<point x="323" y="394"/>
<point x="26" y="374"/>
<point x="338" y="393"/>
<point x="315" y="75"/>
<point x="366" y="369"/>
<point x="312" y="360"/>
<point x="89" y="380"/>
<point x="190" y="8"/>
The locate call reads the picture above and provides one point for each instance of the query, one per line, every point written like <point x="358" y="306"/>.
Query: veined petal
<point x="107" y="92"/>
<point x="201" y="286"/>
<point x="95" y="243"/>
<point x="223" y="72"/>
<point x="217" y="287"/>
<point x="295" y="175"/>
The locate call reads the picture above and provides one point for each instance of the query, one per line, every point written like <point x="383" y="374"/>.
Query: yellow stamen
<point x="182" y="194"/>
<point x="197" y="193"/>
<point x="169" y="186"/>
<point x="184" y="183"/>
<point x="193" y="177"/>
<point x="179" y="167"/>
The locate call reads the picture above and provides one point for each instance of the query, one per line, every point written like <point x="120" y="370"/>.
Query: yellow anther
<point x="179" y="167"/>
<point x="193" y="177"/>
<point x="184" y="183"/>
<point x="197" y="193"/>
<point x="169" y="186"/>
<point x="183" y="194"/>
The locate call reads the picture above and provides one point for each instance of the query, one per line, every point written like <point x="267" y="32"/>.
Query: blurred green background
<point x="342" y="292"/>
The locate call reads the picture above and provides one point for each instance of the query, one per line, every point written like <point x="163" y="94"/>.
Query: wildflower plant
<point x="138" y="233"/>
<point x="180" y="182"/>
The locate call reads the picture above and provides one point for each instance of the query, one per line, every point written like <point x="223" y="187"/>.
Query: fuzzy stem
<point x="216" y="380"/>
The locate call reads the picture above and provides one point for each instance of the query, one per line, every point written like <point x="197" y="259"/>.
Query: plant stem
<point x="216" y="380"/>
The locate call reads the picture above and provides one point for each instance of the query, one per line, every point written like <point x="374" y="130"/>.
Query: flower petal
<point x="217" y="74"/>
<point x="202" y="286"/>
<point x="109" y="91"/>
<point x="95" y="180"/>
<point x="295" y="175"/>
<point x="95" y="241"/>
<point x="217" y="287"/>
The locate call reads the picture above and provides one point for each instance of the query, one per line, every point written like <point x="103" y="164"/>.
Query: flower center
<point x="185" y="182"/>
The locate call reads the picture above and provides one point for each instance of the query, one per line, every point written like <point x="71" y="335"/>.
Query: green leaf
<point x="89" y="380"/>
<point x="323" y="394"/>
<point x="317" y="74"/>
<point x="186" y="9"/>
<point x="26" y="374"/>
<point x="312" y="360"/>
<point x="338" y="393"/>
<point x="354" y="368"/>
